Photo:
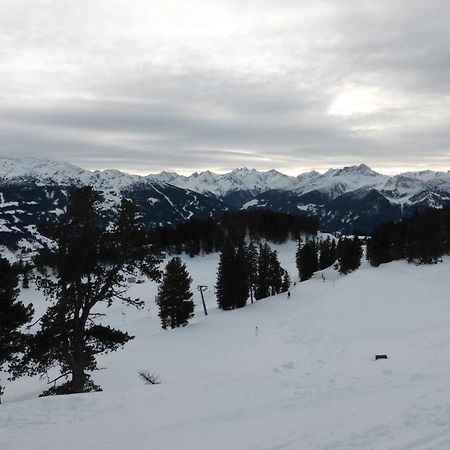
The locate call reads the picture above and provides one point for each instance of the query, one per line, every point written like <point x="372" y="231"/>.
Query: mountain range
<point x="351" y="198"/>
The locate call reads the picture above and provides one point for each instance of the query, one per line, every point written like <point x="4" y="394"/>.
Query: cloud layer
<point x="146" y="86"/>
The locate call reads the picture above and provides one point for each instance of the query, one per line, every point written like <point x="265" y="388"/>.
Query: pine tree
<point x="252" y="268"/>
<point x="275" y="273"/>
<point x="306" y="259"/>
<point x="241" y="276"/>
<point x="422" y="238"/>
<point x="262" y="286"/>
<point x="298" y="258"/>
<point x="232" y="287"/>
<point x="91" y="263"/>
<point x="270" y="273"/>
<point x="349" y="252"/>
<point x="225" y="277"/>
<point x="174" y="295"/>
<point x="429" y="236"/>
<point x="13" y="315"/>
<point x="327" y="256"/>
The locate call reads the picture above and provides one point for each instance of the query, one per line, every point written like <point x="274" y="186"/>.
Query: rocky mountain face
<point x="351" y="198"/>
<point x="346" y="199"/>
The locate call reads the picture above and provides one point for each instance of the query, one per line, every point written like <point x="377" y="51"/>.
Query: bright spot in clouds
<point x="358" y="101"/>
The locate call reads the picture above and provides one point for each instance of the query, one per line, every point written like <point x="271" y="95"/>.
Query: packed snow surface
<point x="305" y="379"/>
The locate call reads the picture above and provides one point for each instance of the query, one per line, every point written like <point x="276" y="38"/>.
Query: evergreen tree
<point x="270" y="273"/>
<point x="429" y="238"/>
<point x="327" y="249"/>
<point x="298" y="255"/>
<point x="209" y="235"/>
<point x="252" y="268"/>
<point x="422" y="238"/>
<point x="174" y="295"/>
<point x="225" y="277"/>
<point x="241" y="276"/>
<point x="13" y="316"/>
<point x="349" y="252"/>
<point x="262" y="286"/>
<point x="275" y="273"/>
<point x="90" y="263"/>
<point x="306" y="259"/>
<point x="232" y="287"/>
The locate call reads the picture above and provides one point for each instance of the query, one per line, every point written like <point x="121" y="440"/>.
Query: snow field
<point x="307" y="381"/>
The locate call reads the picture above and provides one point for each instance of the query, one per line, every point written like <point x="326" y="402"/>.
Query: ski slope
<point x="307" y="380"/>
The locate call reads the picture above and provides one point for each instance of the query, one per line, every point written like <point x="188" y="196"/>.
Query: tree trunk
<point x="78" y="359"/>
<point x="77" y="384"/>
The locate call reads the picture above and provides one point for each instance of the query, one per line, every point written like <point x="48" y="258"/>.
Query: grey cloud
<point x="84" y="90"/>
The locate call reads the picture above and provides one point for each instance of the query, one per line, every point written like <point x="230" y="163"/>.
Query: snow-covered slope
<point x="307" y="381"/>
<point x="42" y="169"/>
<point x="56" y="172"/>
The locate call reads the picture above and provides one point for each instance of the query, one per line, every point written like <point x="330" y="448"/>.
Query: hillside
<point x="307" y="381"/>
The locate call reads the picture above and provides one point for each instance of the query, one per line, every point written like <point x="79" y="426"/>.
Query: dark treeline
<point x="313" y="255"/>
<point x="349" y="252"/>
<point x="197" y="236"/>
<point x="423" y="238"/>
<point x="248" y="271"/>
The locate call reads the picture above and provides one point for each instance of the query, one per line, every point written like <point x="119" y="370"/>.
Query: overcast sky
<point x="185" y="85"/>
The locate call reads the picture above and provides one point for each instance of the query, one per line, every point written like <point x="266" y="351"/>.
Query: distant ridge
<point x="350" y="198"/>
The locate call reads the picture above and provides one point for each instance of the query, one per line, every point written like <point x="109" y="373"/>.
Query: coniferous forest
<point x="206" y="236"/>
<point x="247" y="271"/>
<point x="423" y="239"/>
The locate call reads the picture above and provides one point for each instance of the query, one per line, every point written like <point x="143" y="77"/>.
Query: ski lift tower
<point x="203" y="288"/>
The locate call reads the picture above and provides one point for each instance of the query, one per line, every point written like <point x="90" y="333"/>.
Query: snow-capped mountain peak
<point x="42" y="169"/>
<point x="336" y="196"/>
<point x="361" y="169"/>
<point x="335" y="182"/>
